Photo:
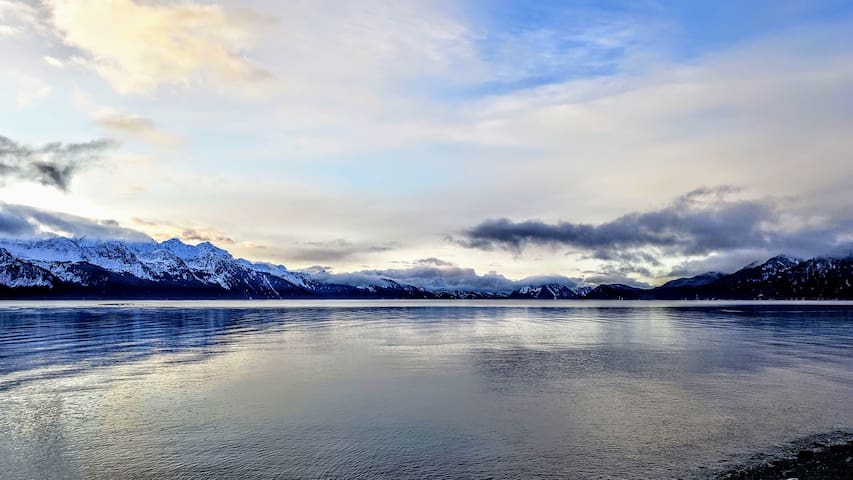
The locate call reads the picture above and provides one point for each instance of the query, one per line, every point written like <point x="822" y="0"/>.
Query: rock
<point x="805" y="455"/>
<point x="827" y="462"/>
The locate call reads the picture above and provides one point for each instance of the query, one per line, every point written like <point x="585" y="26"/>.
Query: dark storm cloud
<point x="618" y="273"/>
<point x="13" y="224"/>
<point x="52" y="164"/>
<point x="21" y="221"/>
<point x="627" y="256"/>
<point x="711" y="222"/>
<point x="696" y="223"/>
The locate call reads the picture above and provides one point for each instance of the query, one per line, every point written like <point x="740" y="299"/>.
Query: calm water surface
<point x="413" y="390"/>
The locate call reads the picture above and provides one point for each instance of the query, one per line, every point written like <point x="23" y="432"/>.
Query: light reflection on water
<point x="414" y="390"/>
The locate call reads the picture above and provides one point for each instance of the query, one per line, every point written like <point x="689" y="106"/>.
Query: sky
<point x="606" y="141"/>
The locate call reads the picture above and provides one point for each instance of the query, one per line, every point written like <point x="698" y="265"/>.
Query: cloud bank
<point x="439" y="275"/>
<point x="697" y="223"/>
<point x="21" y="221"/>
<point x="704" y="222"/>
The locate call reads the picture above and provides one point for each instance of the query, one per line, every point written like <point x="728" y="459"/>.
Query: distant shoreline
<point x="404" y="302"/>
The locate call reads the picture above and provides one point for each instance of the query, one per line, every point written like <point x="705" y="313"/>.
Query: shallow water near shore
<point x="388" y="389"/>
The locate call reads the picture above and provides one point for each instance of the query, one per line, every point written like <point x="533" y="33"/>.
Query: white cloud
<point x="125" y="125"/>
<point x="30" y="91"/>
<point x="53" y="61"/>
<point x="138" y="47"/>
<point x="754" y="115"/>
<point x="135" y="126"/>
<point x="18" y="18"/>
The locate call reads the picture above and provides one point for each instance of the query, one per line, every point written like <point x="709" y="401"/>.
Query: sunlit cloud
<point x="53" y="61"/>
<point x="138" y="47"/>
<point x="135" y="126"/>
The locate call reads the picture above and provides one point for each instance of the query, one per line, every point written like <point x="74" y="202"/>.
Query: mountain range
<point x="83" y="268"/>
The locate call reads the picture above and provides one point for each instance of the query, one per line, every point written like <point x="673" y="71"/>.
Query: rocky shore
<point x="829" y="457"/>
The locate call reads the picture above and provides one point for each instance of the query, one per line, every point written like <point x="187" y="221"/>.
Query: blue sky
<point x="398" y="131"/>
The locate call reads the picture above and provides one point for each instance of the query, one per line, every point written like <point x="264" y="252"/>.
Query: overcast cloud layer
<point x="540" y="138"/>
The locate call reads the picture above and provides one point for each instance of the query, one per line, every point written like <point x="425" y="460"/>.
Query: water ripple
<point x="413" y="389"/>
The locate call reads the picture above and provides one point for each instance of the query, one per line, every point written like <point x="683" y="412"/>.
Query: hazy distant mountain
<point x="60" y="267"/>
<point x="550" y="291"/>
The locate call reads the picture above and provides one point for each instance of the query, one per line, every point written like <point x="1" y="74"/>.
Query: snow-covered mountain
<point x="15" y="273"/>
<point x="83" y="267"/>
<point x="91" y="267"/>
<point x="59" y="267"/>
<point x="779" y="278"/>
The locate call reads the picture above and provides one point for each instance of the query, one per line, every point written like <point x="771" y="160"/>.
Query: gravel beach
<point x="825" y="458"/>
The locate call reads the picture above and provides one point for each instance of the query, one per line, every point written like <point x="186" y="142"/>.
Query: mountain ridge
<point x="62" y="267"/>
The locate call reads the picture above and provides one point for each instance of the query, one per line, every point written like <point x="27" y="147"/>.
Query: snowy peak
<point x="547" y="280"/>
<point x="163" y="264"/>
<point x="782" y="261"/>
<point x="49" y="249"/>
<point x="193" y="252"/>
<point x="17" y="274"/>
<point x="114" y="256"/>
<point x="55" y="251"/>
<point x="70" y="260"/>
<point x="775" y="263"/>
<point x="546" y="287"/>
<point x="264" y="267"/>
<point x="773" y="267"/>
<point x="550" y="291"/>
